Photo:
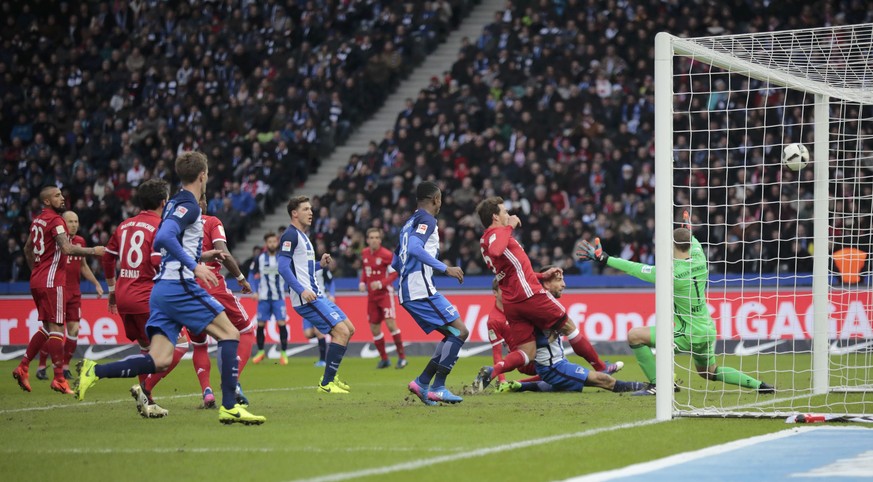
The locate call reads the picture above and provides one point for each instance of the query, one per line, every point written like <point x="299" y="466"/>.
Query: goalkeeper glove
<point x="585" y="251"/>
<point x="686" y="220"/>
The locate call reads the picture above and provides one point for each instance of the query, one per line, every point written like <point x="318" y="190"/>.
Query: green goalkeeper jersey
<point x="690" y="278"/>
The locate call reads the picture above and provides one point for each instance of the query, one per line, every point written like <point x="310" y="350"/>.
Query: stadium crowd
<point x="550" y="107"/>
<point x="99" y="96"/>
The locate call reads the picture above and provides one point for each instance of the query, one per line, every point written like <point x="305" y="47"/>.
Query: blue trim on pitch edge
<point x="484" y="283"/>
<point x="773" y="460"/>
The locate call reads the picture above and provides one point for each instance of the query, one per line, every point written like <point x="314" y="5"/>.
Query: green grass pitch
<point x="377" y="432"/>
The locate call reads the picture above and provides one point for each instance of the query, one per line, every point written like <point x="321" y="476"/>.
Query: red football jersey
<point x="498" y="329"/>
<point x="213" y="231"/>
<point x="74" y="267"/>
<point x="375" y="268"/>
<point x="49" y="265"/>
<point x="131" y="246"/>
<point x="508" y="260"/>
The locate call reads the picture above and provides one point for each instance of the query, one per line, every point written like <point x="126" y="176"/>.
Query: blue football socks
<point x="334" y="357"/>
<point x="129" y="367"/>
<point x="229" y="367"/>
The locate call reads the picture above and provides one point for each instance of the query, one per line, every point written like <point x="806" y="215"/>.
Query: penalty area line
<point x="419" y="463"/>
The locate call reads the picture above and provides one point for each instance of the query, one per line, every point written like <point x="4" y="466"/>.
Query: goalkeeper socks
<point x="69" y="350"/>
<point x="398" y="342"/>
<point x="646" y="360"/>
<point x="37" y="341"/>
<point x="129" y="367"/>
<point x="514" y="360"/>
<point x="322" y="349"/>
<point x="379" y="341"/>
<point x="733" y="376"/>
<point x="582" y="347"/>
<point x="333" y="360"/>
<point x="244" y="351"/>
<point x="153" y="379"/>
<point x="229" y="368"/>
<point x="202" y="365"/>
<point x="283" y="337"/>
<point x="260" y="337"/>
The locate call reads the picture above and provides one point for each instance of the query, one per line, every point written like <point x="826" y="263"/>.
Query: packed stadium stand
<point x="551" y="107"/>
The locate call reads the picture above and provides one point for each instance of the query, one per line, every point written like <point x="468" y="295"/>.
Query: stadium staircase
<point x="373" y="129"/>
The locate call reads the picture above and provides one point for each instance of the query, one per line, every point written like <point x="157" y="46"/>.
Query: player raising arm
<point x="415" y="260"/>
<point x="693" y="326"/>
<point x="297" y="266"/>
<point x="46" y="250"/>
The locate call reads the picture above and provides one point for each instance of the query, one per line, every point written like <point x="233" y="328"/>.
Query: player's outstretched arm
<point x="71" y="249"/>
<point x="585" y="251"/>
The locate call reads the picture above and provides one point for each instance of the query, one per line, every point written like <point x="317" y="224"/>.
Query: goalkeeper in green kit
<point x="693" y="327"/>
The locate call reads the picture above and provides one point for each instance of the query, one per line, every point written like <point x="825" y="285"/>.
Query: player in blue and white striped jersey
<point x="177" y="301"/>
<point x="297" y="266"/>
<point x="270" y="288"/>
<point x="415" y="260"/>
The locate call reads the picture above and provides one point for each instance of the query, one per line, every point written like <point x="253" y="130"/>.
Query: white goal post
<point x="725" y="106"/>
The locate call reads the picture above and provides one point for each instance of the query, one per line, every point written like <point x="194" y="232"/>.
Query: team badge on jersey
<point x="286" y="246"/>
<point x="421" y="229"/>
<point x="180" y="212"/>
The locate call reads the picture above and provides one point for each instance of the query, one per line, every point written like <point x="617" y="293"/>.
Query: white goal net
<point x="790" y="285"/>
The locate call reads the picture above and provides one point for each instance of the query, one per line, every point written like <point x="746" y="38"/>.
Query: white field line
<point x="647" y="467"/>
<point x="206" y="450"/>
<point x="419" y="463"/>
<point x="75" y="404"/>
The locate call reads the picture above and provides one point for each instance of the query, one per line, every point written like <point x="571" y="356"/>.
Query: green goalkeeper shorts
<point x="700" y="347"/>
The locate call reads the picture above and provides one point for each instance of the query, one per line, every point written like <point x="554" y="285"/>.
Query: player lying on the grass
<point x="554" y="371"/>
<point x="45" y="251"/>
<point x="526" y="304"/>
<point x="73" y="302"/>
<point x="177" y="300"/>
<point x="415" y="260"/>
<point x="693" y="326"/>
<point x="298" y="268"/>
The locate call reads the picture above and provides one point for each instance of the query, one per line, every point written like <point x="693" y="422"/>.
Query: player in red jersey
<point x="45" y="250"/>
<point x="376" y="280"/>
<point x="526" y="304"/>
<point x="130" y="248"/>
<point x="215" y="238"/>
<point x="73" y="295"/>
<point x="499" y="334"/>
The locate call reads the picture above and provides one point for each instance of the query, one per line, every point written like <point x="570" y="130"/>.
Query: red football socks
<point x="398" y="342"/>
<point x="202" y="365"/>
<point x="512" y="361"/>
<point x="154" y="378"/>
<point x="582" y="347"/>
<point x="69" y="350"/>
<point x="35" y="345"/>
<point x="379" y="341"/>
<point x="55" y="348"/>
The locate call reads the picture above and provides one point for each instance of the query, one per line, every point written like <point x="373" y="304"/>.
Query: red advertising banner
<point x="603" y="316"/>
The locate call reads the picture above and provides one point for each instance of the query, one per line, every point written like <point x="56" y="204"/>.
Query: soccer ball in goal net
<point x="767" y="140"/>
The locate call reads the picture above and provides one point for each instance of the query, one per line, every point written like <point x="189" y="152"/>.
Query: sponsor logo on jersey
<point x="421" y="229"/>
<point x="286" y="246"/>
<point x="180" y="212"/>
